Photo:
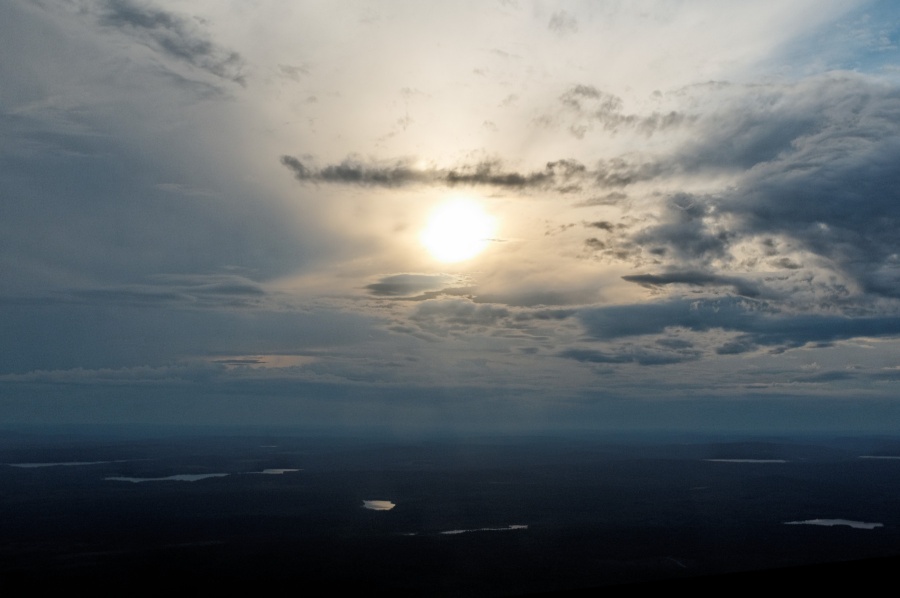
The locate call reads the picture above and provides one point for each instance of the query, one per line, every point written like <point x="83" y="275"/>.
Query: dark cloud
<point x="589" y="107"/>
<point x="240" y="362"/>
<point x="758" y="323"/>
<point x="175" y="36"/>
<point x="610" y="199"/>
<point x="457" y="317"/>
<point x="674" y="343"/>
<point x="786" y="263"/>
<point x="594" y="244"/>
<point x="637" y="355"/>
<point x="837" y="192"/>
<point x="556" y="174"/>
<point x="825" y="377"/>
<point x="490" y="174"/>
<point x="621" y="172"/>
<point x="815" y="164"/>
<point x="356" y="173"/>
<point x="740" y="286"/>
<point x="177" y="290"/>
<point x="404" y="285"/>
<point x="546" y="314"/>
<point x="685" y="232"/>
<point x="743" y="344"/>
<point x="602" y="225"/>
<point x="562" y="176"/>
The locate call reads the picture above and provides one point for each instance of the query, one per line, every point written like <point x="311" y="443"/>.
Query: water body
<point x="184" y="477"/>
<point x="879" y="457"/>
<point x="747" y="460"/>
<point x="63" y="464"/>
<point x="832" y="522"/>
<point x="274" y="471"/>
<point x="484" y="529"/>
<point x="378" y="505"/>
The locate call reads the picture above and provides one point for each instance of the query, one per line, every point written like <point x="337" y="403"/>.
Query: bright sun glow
<point x="458" y="230"/>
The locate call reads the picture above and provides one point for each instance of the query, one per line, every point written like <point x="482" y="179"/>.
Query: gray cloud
<point x="816" y="163"/>
<point x="609" y="199"/>
<point x="355" y="172"/>
<point x="786" y="263"/>
<point x="404" y="285"/>
<point x="563" y="23"/>
<point x="684" y="232"/>
<point x="621" y="172"/>
<point x="294" y="72"/>
<point x="759" y="323"/>
<point x="740" y="286"/>
<point x="594" y="244"/>
<point x="602" y="225"/>
<point x="207" y="290"/>
<point x="458" y="317"/>
<point x="562" y="176"/>
<point x="400" y="173"/>
<point x="110" y="332"/>
<point x="546" y="314"/>
<point x="825" y="377"/>
<point x="175" y="36"/>
<point x="638" y="355"/>
<point x="674" y="343"/>
<point x="589" y="107"/>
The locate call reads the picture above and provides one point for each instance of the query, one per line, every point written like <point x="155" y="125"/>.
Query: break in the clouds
<point x="208" y="204"/>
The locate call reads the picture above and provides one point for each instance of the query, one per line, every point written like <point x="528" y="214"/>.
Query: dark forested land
<point x="599" y="511"/>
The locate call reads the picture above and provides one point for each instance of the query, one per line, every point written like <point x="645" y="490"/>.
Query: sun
<point x="458" y="230"/>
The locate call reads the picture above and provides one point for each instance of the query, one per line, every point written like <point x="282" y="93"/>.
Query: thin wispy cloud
<point x="177" y="37"/>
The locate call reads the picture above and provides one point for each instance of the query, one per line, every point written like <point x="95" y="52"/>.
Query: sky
<point x="686" y="214"/>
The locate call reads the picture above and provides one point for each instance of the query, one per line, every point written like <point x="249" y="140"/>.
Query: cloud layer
<point x="692" y="201"/>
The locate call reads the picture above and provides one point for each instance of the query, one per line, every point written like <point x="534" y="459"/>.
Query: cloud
<point x="585" y="107"/>
<point x="813" y="162"/>
<point x="175" y="36"/>
<point x="405" y="285"/>
<point x="622" y="172"/>
<point x="685" y="232"/>
<point x="736" y="218"/>
<point x="399" y="173"/>
<point x="169" y="374"/>
<point x="354" y="172"/>
<point x="602" y="225"/>
<point x="563" y="23"/>
<point x="294" y="72"/>
<point x="637" y="355"/>
<point x="610" y="199"/>
<point x="208" y="290"/>
<point x="758" y="323"/>
<point x="459" y="311"/>
<point x="740" y="286"/>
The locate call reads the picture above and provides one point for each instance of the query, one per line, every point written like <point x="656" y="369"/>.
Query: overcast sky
<point x="211" y="212"/>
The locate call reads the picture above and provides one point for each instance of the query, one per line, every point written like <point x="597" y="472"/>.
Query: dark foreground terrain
<point x="529" y="514"/>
